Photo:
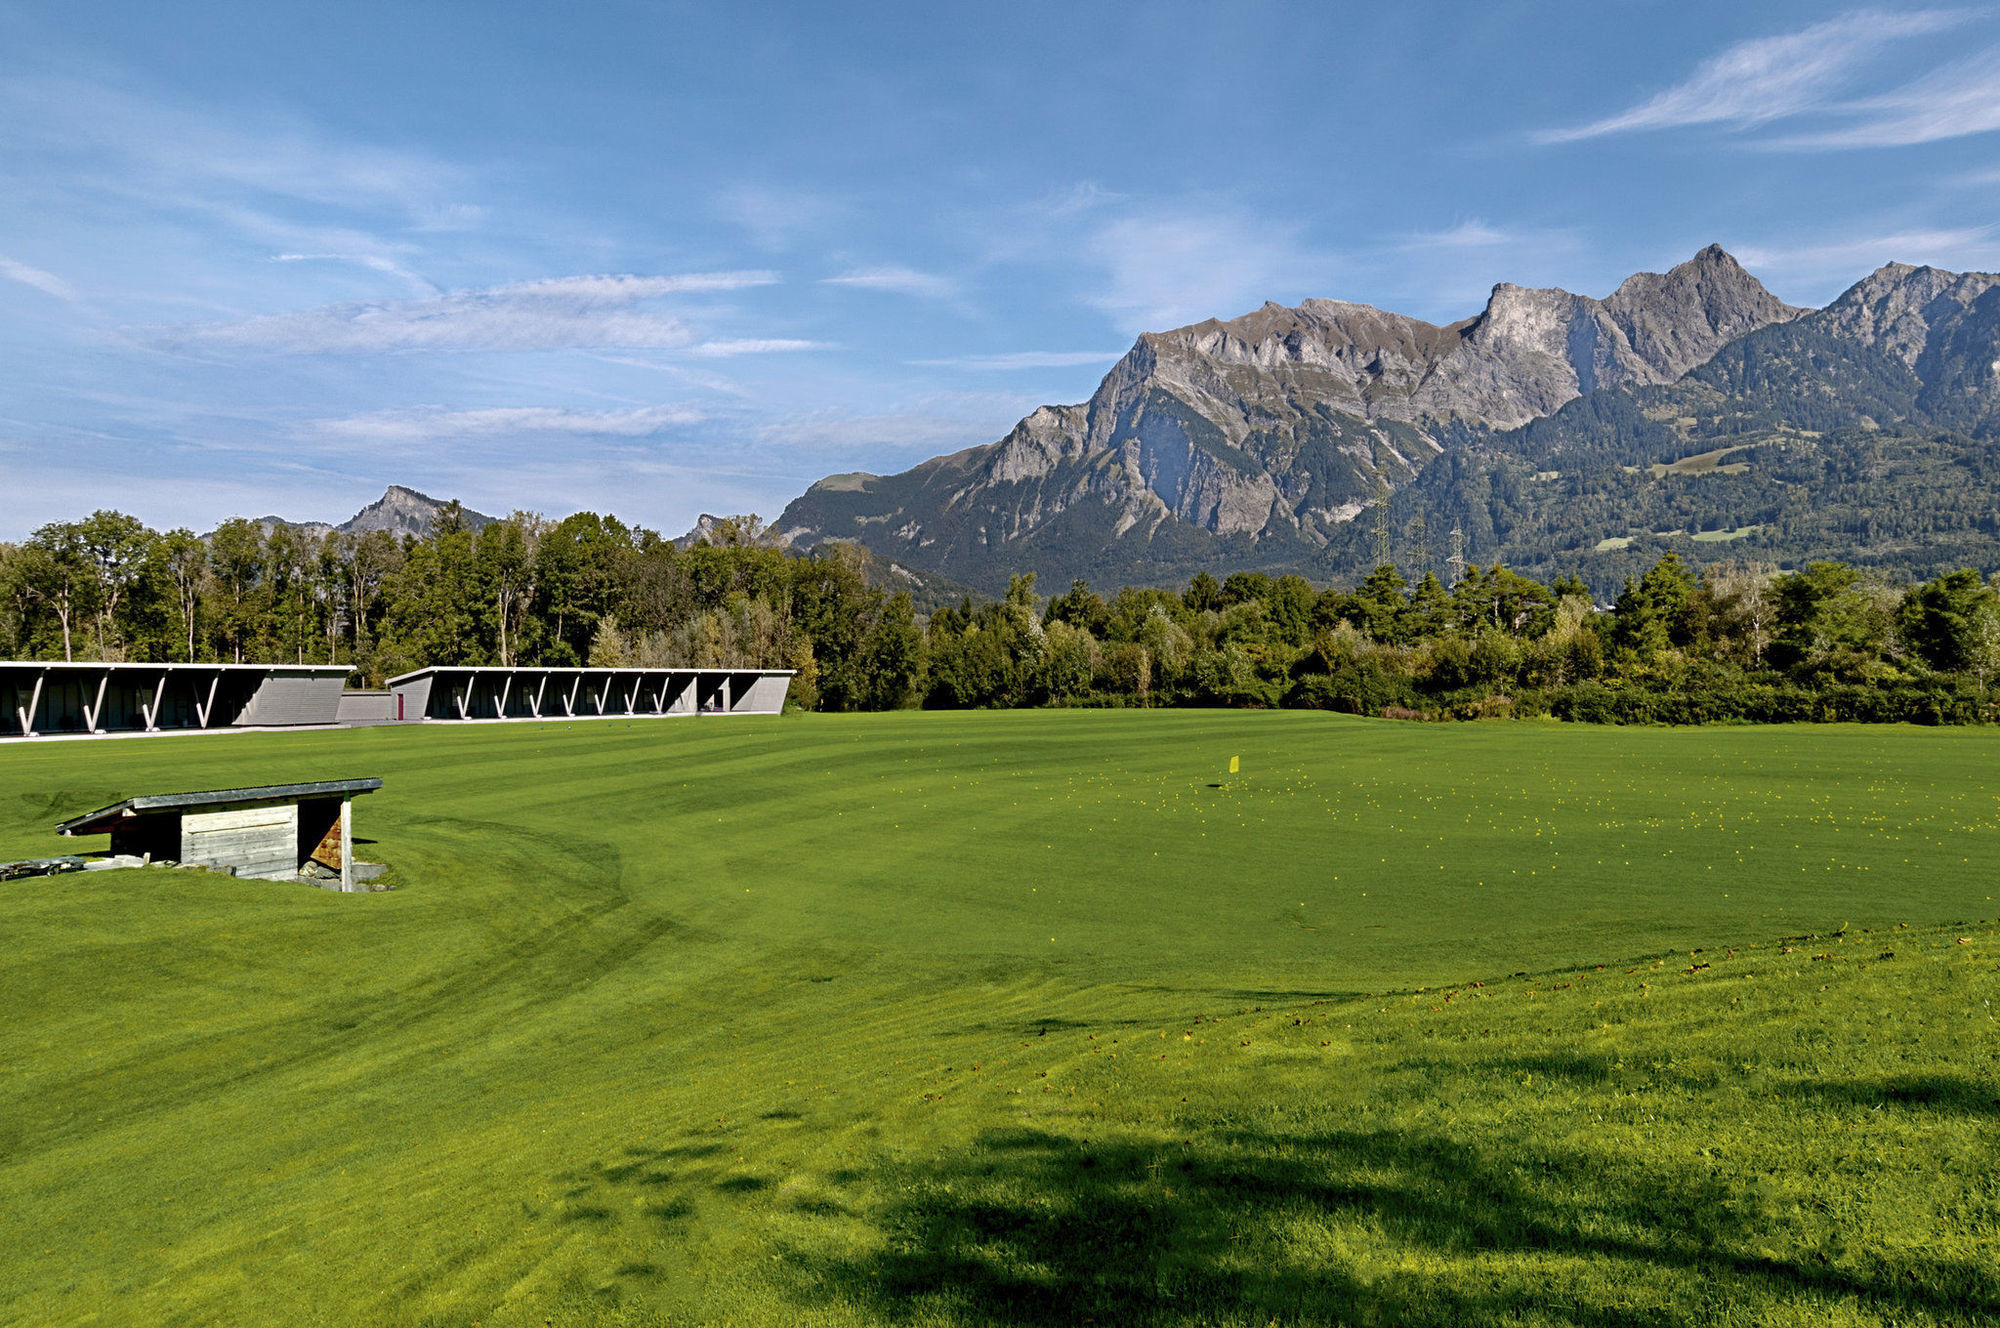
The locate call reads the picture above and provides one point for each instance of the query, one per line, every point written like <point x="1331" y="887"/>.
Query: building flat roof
<point x="100" y="821"/>
<point x="575" y="668"/>
<point x="342" y="669"/>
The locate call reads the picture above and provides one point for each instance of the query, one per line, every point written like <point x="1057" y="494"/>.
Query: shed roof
<point x="100" y="821"/>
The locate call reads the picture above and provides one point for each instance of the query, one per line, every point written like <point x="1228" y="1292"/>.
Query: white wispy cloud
<point x="898" y="279"/>
<point x="548" y="314"/>
<point x="446" y="217"/>
<point x="1166" y="269"/>
<point x="1080" y="197"/>
<point x="624" y="288"/>
<point x="374" y="262"/>
<point x="110" y="148"/>
<point x="427" y="423"/>
<point x="156" y="141"/>
<point x="1769" y="78"/>
<point x="1959" y="99"/>
<point x="920" y="427"/>
<point x="1472" y="234"/>
<point x="1850" y="256"/>
<point x="48" y="283"/>
<point x="753" y="346"/>
<point x="778" y="217"/>
<point x="1026" y="359"/>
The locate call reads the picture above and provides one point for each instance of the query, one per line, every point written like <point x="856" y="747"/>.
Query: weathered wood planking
<point x="327" y="851"/>
<point x="256" y="841"/>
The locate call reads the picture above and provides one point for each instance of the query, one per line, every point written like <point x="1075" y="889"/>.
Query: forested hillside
<point x="1792" y="441"/>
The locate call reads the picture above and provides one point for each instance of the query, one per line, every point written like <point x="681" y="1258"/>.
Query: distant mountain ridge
<point x="1867" y="431"/>
<point x="400" y="511"/>
<point x="1690" y="410"/>
<point x="1255" y="442"/>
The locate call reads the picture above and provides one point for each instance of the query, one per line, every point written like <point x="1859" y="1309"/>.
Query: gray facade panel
<point x="282" y="699"/>
<point x="410" y="699"/>
<point x="764" y="696"/>
<point x="366" y="707"/>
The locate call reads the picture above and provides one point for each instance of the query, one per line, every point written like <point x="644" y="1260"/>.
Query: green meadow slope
<point x="1028" y="1017"/>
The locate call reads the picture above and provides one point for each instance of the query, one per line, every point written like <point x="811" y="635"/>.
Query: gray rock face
<point x="1274" y="428"/>
<point x="1944" y="326"/>
<point x="1533" y="351"/>
<point x="1525" y="355"/>
<point x="1908" y="311"/>
<point x="748" y="530"/>
<point x="400" y="511"/>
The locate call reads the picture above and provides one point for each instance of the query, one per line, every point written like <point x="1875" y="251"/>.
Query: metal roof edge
<point x="577" y="668"/>
<point x="141" y="666"/>
<point x="153" y="802"/>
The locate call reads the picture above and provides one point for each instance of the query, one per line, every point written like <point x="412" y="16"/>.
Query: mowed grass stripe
<point x="773" y="1020"/>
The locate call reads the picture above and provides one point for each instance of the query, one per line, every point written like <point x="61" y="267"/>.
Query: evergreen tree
<point x="1945" y="620"/>
<point x="1380" y="606"/>
<point x="892" y="655"/>
<point x="1203" y="593"/>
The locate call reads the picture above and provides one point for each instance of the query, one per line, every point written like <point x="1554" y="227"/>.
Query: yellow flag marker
<point x="1232" y="765"/>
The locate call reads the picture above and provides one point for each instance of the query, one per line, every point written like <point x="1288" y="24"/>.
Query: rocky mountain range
<point x="1276" y="440"/>
<point x="1556" y="432"/>
<point x="1865" y="431"/>
<point x="400" y="511"/>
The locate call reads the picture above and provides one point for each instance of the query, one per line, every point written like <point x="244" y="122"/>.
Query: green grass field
<point x="1029" y="1018"/>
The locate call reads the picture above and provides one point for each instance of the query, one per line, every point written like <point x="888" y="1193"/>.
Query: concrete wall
<point x="410" y="701"/>
<point x="286" y="699"/>
<point x="366" y="708"/>
<point x="763" y="696"/>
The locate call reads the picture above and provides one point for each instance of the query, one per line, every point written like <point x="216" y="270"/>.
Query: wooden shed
<point x="276" y="832"/>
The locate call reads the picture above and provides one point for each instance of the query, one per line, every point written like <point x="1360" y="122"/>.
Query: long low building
<point x="45" y="699"/>
<point x="493" y="693"/>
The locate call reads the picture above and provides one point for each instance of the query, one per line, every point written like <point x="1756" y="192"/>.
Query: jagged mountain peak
<point x="1904" y="310"/>
<point x="1713" y="273"/>
<point x="1905" y="283"/>
<point x="402" y="510"/>
<point x="1276" y="427"/>
<point x="1526" y="353"/>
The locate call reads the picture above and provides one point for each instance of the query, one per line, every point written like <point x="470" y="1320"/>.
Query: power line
<point x="1382" y="537"/>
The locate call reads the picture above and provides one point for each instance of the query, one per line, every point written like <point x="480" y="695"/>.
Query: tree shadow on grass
<point x="1952" y="1094"/>
<point x="1034" y="1228"/>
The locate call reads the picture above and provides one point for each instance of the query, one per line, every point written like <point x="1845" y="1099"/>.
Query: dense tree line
<point x="1730" y="641"/>
<point x="1734" y="642"/>
<point x="584" y="590"/>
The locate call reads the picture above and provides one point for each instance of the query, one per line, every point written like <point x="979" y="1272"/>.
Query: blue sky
<point x="660" y="259"/>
